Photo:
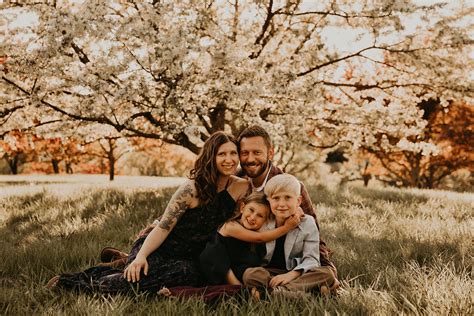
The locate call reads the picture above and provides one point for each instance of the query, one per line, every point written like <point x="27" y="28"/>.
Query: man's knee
<point x="256" y="276"/>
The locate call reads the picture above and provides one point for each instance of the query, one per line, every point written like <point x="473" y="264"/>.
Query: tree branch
<point x="6" y="112"/>
<point x="80" y="53"/>
<point x="324" y="146"/>
<point x="265" y="26"/>
<point x="359" y="53"/>
<point x="343" y="15"/>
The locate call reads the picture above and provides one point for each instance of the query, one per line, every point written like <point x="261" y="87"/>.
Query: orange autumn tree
<point x="451" y="129"/>
<point x="153" y="157"/>
<point x="16" y="147"/>
<point x="55" y="150"/>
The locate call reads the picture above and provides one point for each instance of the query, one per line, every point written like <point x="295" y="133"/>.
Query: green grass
<point x="397" y="252"/>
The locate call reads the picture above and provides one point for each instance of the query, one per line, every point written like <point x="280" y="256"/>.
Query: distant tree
<point x="110" y="148"/>
<point x="57" y="150"/>
<point x="451" y="129"/>
<point x="16" y="147"/>
<point x="153" y="157"/>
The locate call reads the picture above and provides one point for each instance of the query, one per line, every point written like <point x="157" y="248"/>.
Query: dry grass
<point x="397" y="251"/>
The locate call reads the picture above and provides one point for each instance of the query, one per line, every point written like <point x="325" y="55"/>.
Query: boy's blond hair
<point x="282" y="182"/>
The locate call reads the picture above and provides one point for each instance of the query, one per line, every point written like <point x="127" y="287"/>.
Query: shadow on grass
<point x="401" y="196"/>
<point x="367" y="258"/>
<point x="356" y="195"/>
<point x="34" y="243"/>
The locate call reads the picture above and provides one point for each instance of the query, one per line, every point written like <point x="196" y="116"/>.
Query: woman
<point x="168" y="255"/>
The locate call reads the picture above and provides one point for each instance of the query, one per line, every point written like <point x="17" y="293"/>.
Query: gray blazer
<point x="301" y="245"/>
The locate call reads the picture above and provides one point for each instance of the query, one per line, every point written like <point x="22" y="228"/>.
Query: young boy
<point x="292" y="261"/>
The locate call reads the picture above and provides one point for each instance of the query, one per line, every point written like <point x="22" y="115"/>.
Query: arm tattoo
<point x="176" y="207"/>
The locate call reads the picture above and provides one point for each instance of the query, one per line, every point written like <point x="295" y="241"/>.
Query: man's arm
<point x="308" y="208"/>
<point x="307" y="205"/>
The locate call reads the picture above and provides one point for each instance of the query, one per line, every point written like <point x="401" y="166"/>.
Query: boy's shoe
<point x="324" y="290"/>
<point x="336" y="289"/>
<point x="256" y="293"/>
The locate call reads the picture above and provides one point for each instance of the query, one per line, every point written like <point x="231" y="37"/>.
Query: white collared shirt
<point x="261" y="187"/>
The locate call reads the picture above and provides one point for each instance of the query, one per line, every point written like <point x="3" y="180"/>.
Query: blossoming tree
<point x="313" y="73"/>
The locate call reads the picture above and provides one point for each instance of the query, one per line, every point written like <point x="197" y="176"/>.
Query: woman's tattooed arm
<point x="177" y="206"/>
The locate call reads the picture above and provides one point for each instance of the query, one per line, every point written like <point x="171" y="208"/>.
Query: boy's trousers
<point x="312" y="279"/>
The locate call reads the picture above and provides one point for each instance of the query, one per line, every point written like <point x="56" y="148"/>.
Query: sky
<point x="338" y="38"/>
<point x="28" y="19"/>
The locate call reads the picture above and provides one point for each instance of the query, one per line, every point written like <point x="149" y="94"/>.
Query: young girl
<point x="225" y="259"/>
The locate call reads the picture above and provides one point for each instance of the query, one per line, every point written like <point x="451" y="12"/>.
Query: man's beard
<point x="259" y="172"/>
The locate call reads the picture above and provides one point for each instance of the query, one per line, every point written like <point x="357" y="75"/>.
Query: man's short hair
<point x="282" y="182"/>
<point x="255" y="131"/>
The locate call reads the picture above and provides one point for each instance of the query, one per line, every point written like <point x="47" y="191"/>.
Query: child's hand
<point x="282" y="279"/>
<point x="292" y="221"/>
<point x="299" y="212"/>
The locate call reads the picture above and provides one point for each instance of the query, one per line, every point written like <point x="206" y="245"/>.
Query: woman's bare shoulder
<point x="188" y="185"/>
<point x="239" y="187"/>
<point x="240" y="181"/>
<point x="187" y="191"/>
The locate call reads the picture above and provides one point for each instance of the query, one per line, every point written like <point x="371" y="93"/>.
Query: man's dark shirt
<point x="278" y="258"/>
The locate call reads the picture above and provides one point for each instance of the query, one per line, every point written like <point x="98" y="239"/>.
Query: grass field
<point x="397" y="251"/>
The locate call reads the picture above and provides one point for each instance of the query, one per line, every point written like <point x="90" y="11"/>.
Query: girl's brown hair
<point x="255" y="197"/>
<point x="205" y="173"/>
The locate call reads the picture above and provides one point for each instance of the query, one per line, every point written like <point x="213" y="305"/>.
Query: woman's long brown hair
<point x="205" y="173"/>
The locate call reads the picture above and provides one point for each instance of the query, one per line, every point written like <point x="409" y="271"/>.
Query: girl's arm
<point x="180" y="201"/>
<point x="234" y="229"/>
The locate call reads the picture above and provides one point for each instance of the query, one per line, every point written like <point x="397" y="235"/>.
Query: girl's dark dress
<point x="174" y="263"/>
<point x="224" y="253"/>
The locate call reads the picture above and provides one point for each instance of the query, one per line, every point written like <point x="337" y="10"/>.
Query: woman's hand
<point x="132" y="272"/>
<point x="292" y="221"/>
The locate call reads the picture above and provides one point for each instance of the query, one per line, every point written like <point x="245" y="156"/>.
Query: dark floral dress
<point x="174" y="263"/>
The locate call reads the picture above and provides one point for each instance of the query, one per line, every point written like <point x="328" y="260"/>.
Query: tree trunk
<point x="102" y="166"/>
<point x="217" y="117"/>
<point x="13" y="164"/>
<point x="366" y="177"/>
<point x="111" y="166"/>
<point x="69" y="168"/>
<point x="55" y="166"/>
